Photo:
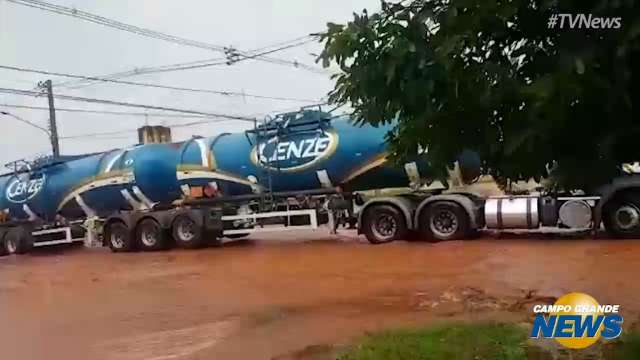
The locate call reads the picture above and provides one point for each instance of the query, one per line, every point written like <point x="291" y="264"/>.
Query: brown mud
<point x="289" y="296"/>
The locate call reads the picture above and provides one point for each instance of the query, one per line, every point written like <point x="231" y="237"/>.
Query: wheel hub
<point x="148" y="237"/>
<point x="627" y="217"/>
<point x="444" y="223"/>
<point x="11" y="246"/>
<point x="385" y="227"/>
<point x="117" y="241"/>
<point x="186" y="231"/>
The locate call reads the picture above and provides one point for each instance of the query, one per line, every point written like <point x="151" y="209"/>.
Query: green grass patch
<point x="490" y="341"/>
<point x="445" y="342"/>
<point x="627" y="348"/>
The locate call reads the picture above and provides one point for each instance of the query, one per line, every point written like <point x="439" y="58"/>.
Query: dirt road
<point x="269" y="297"/>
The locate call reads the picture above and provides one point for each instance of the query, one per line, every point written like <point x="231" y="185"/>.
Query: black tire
<point x="621" y="216"/>
<point x="442" y="221"/>
<point x="187" y="233"/>
<point x="383" y="223"/>
<point x="118" y="237"/>
<point x="18" y="240"/>
<point x="150" y="236"/>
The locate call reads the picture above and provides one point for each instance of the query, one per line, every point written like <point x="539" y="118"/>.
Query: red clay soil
<point x="275" y="295"/>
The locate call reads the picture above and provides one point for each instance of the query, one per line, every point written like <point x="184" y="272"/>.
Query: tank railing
<point x="291" y="128"/>
<point x="19" y="166"/>
<point x="294" y="120"/>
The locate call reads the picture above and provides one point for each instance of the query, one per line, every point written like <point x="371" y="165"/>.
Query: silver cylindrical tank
<point x="576" y="214"/>
<point x="511" y="213"/>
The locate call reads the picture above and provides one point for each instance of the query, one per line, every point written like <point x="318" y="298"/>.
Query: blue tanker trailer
<point x="295" y="171"/>
<point x="305" y="153"/>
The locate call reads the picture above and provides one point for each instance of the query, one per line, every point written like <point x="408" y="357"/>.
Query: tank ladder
<point x="271" y="131"/>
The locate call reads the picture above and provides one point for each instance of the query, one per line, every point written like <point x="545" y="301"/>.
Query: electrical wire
<point x="115" y="132"/>
<point x="87" y="135"/>
<point x="117" y="113"/>
<point x="32" y="124"/>
<point x="189" y="65"/>
<point x="136" y="71"/>
<point x="94" y="138"/>
<point x="62" y="10"/>
<point x="120" y="103"/>
<point x="160" y="86"/>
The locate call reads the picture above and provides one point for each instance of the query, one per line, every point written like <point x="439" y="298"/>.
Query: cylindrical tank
<point x="94" y="184"/>
<point x="511" y="213"/>
<point x="309" y="151"/>
<point x="295" y="159"/>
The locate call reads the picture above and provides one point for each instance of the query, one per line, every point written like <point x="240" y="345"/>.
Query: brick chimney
<point x="154" y="134"/>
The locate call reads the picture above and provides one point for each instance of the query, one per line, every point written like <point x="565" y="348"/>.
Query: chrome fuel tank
<point x="511" y="213"/>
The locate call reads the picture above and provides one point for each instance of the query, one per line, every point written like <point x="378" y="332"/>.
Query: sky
<point x="33" y="38"/>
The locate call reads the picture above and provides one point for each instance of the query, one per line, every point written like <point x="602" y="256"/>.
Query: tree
<point x="493" y="76"/>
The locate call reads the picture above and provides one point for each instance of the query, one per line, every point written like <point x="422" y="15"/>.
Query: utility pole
<point x="53" y="127"/>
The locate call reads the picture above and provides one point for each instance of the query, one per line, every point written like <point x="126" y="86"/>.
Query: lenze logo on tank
<point x="19" y="191"/>
<point x="295" y="153"/>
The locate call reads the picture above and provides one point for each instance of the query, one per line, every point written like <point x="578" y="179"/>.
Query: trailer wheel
<point x="622" y="216"/>
<point x="150" y="236"/>
<point x="444" y="221"/>
<point x="118" y="236"/>
<point x="18" y="240"/>
<point x="383" y="224"/>
<point x="186" y="232"/>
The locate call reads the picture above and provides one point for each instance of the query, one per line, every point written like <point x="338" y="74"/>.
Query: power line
<point x="133" y="72"/>
<point x="117" y="113"/>
<point x="98" y="135"/>
<point x="120" y="103"/>
<point x="116" y="132"/>
<point x="99" y="138"/>
<point x="186" y="66"/>
<point x="32" y="124"/>
<point x="62" y="10"/>
<point x="282" y="43"/>
<point x="197" y="65"/>
<point x="145" y="114"/>
<point x="191" y="65"/>
<point x="123" y="82"/>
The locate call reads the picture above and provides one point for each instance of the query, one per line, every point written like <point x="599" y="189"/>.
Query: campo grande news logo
<point x="577" y="321"/>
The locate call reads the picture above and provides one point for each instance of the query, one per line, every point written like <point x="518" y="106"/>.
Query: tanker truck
<point x="295" y="171"/>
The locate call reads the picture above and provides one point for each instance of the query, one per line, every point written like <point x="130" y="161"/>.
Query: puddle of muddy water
<point x="166" y="345"/>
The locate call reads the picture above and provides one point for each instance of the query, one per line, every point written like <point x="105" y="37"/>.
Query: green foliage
<point x="489" y="75"/>
<point x="628" y="348"/>
<point x="477" y="341"/>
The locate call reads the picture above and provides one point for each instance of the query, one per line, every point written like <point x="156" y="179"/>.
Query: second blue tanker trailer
<point x="297" y="170"/>
<point x="176" y="187"/>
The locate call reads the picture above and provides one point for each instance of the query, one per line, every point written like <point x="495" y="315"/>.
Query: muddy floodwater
<point x="282" y="295"/>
